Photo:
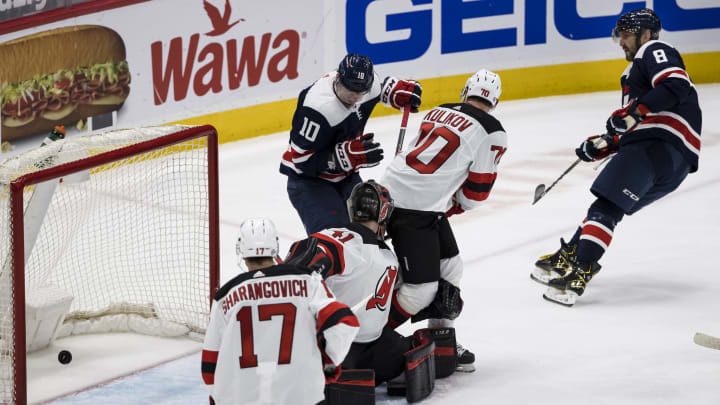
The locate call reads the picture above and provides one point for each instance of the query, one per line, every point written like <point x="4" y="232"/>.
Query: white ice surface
<point x="627" y="341"/>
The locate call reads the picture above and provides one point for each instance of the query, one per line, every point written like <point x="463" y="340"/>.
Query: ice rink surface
<point x="628" y="340"/>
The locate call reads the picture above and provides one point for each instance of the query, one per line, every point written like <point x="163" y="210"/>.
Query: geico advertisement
<point x="157" y="62"/>
<point x="429" y="38"/>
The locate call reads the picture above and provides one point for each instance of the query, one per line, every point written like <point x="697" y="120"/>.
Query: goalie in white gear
<point x="449" y="168"/>
<point x="284" y="325"/>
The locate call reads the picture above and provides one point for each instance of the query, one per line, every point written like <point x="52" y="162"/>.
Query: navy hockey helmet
<point x="356" y="73"/>
<point x="636" y="20"/>
<point x="370" y="201"/>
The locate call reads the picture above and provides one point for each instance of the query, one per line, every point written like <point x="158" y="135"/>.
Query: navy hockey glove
<point x="397" y="93"/>
<point x="356" y="153"/>
<point x="597" y="147"/>
<point x="626" y="118"/>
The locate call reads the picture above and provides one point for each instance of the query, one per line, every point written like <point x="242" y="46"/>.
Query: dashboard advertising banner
<point x="239" y="64"/>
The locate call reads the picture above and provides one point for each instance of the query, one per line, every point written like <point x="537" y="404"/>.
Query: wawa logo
<point x="383" y="290"/>
<point x="274" y="56"/>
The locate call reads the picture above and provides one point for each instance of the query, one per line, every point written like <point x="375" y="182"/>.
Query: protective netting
<point x="127" y="236"/>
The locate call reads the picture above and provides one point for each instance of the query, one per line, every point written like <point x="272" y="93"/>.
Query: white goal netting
<point x="120" y="232"/>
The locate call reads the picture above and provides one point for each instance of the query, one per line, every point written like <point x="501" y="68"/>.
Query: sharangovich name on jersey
<point x="567" y="17"/>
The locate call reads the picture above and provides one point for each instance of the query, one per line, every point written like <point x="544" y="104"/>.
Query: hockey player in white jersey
<point x="449" y="168"/>
<point x="362" y="271"/>
<point x="276" y="333"/>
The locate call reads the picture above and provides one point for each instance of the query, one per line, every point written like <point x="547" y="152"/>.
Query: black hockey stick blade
<point x="708" y="341"/>
<point x="540" y="190"/>
<point x="539" y="193"/>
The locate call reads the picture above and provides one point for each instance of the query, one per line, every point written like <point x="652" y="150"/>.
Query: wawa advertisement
<point x="156" y="62"/>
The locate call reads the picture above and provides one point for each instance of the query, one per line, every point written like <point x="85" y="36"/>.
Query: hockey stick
<point x="403" y="128"/>
<point x="540" y="190"/>
<point x="708" y="341"/>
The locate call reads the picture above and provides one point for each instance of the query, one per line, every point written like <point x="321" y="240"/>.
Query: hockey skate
<point x="465" y="360"/>
<point x="554" y="265"/>
<point x="565" y="290"/>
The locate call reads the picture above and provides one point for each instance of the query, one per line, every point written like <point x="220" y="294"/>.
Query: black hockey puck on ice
<point x="64" y="357"/>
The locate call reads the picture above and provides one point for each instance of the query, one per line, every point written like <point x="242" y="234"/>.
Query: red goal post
<point x="129" y="226"/>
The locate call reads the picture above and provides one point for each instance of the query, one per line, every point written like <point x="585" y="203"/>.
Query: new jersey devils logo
<point x="383" y="290"/>
<point x="221" y="23"/>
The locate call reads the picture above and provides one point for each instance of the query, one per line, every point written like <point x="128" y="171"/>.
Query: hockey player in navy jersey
<point x="273" y="328"/>
<point x="656" y="135"/>
<point x="327" y="145"/>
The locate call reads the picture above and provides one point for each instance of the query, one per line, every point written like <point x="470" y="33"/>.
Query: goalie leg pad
<point x="420" y="369"/>
<point x="353" y="387"/>
<point x="445" y="349"/>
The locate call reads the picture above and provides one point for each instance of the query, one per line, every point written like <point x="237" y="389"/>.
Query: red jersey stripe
<point x="482" y="177"/>
<point x="675" y="124"/>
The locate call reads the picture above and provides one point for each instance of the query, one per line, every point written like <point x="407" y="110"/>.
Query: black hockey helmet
<point x="370" y="201"/>
<point x="636" y="20"/>
<point x="356" y="73"/>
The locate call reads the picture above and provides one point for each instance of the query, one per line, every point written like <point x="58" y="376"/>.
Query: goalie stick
<point x="708" y="341"/>
<point x="403" y="128"/>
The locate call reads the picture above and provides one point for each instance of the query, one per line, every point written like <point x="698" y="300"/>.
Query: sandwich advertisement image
<point x="87" y="77"/>
<point x="131" y="65"/>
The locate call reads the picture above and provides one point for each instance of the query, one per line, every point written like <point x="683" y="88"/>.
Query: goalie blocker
<point x="434" y="356"/>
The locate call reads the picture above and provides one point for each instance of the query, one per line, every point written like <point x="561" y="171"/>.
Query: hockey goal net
<point x="123" y="222"/>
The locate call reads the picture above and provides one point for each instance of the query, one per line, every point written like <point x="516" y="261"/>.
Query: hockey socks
<point x="597" y="230"/>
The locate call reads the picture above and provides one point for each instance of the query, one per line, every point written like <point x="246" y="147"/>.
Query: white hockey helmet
<point x="484" y="84"/>
<point x="257" y="238"/>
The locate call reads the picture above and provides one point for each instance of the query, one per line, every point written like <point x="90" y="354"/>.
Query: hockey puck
<point x="64" y="357"/>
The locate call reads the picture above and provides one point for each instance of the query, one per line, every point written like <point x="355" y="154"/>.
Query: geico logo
<point x="415" y="25"/>
<point x="205" y="68"/>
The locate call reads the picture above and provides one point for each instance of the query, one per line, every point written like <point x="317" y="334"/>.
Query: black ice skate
<point x="465" y="360"/>
<point x="565" y="290"/>
<point x="555" y="265"/>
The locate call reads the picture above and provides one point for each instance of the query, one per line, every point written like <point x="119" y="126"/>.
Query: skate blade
<point x="465" y="368"/>
<point x="562" y="297"/>
<point x="542" y="276"/>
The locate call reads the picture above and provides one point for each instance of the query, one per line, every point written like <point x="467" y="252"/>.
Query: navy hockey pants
<point x="321" y="204"/>
<point x="641" y="173"/>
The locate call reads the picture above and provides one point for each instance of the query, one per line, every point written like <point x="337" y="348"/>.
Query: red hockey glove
<point x="332" y="373"/>
<point x="356" y="153"/>
<point x="455" y="209"/>
<point x="626" y="118"/>
<point x="597" y="147"/>
<point x="397" y="93"/>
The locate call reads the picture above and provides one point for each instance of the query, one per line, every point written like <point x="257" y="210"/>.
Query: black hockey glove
<point x="625" y="119"/>
<point x="356" y="153"/>
<point x="597" y="147"/>
<point x="397" y="93"/>
<point x="447" y="304"/>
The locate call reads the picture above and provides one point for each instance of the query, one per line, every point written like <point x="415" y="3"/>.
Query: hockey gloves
<point x="397" y="93"/>
<point x="356" y="153"/>
<point x="456" y="208"/>
<point x="332" y="373"/>
<point x="625" y="119"/>
<point x="597" y="147"/>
